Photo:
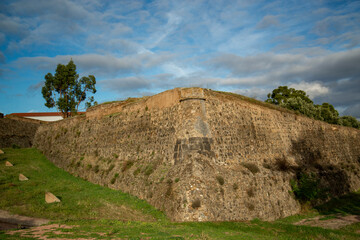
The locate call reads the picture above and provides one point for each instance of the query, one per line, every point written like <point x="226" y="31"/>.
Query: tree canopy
<point x="299" y="101"/>
<point x="282" y="94"/>
<point x="65" y="91"/>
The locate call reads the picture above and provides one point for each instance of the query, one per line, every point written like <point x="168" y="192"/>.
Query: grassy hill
<point x="89" y="211"/>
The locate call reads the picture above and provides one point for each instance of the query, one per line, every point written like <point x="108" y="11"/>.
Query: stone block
<point x="51" y="198"/>
<point x="8" y="164"/>
<point x="22" y="177"/>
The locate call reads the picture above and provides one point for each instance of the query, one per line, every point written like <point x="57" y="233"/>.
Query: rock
<point x="8" y="164"/>
<point x="22" y="177"/>
<point x="51" y="198"/>
<point x="1" y="151"/>
<point x="23" y="221"/>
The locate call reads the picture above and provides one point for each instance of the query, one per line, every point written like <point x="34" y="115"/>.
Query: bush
<point x="149" y="169"/>
<point x="14" y="146"/>
<point x="111" y="167"/>
<point x="137" y="171"/>
<point x="220" y="179"/>
<point x="251" y="167"/>
<point x="306" y="187"/>
<point x="250" y="192"/>
<point x="196" y="203"/>
<point x="282" y="164"/>
<point x="114" y="178"/>
<point x="126" y="165"/>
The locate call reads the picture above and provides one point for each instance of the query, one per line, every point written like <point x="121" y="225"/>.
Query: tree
<point x="281" y="95"/>
<point x="349" y="121"/>
<point x="65" y="91"/>
<point x="297" y="100"/>
<point x="303" y="107"/>
<point x="329" y="113"/>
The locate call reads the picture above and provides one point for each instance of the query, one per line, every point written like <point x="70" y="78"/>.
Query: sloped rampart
<point x="200" y="155"/>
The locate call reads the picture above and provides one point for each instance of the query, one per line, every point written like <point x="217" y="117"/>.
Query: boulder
<point x="8" y="164"/>
<point x="22" y="177"/>
<point x="51" y="198"/>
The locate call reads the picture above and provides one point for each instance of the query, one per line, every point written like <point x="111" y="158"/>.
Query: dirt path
<point x="331" y="221"/>
<point x="13" y="221"/>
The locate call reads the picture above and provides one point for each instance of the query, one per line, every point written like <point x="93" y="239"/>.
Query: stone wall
<point x="17" y="131"/>
<point x="200" y="155"/>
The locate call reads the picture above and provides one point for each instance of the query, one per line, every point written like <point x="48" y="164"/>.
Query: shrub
<point x="250" y="192"/>
<point x="127" y="165"/>
<point x="114" y="178"/>
<point x="149" y="169"/>
<point x="196" y="203"/>
<point x="235" y="186"/>
<point x="137" y="171"/>
<point x="282" y="164"/>
<point x="177" y="180"/>
<point x="96" y="168"/>
<point x="14" y="146"/>
<point x="220" y="179"/>
<point x="111" y="167"/>
<point x="251" y="167"/>
<point x="115" y="155"/>
<point x="250" y="206"/>
<point x="89" y="166"/>
<point x="306" y="187"/>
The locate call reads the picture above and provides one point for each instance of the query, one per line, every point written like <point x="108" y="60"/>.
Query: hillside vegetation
<point x="90" y="211"/>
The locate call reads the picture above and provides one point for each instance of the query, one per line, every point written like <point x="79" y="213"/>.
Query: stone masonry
<point x="201" y="155"/>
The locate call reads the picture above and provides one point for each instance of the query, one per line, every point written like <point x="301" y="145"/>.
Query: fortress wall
<point x="200" y="155"/>
<point x="18" y="131"/>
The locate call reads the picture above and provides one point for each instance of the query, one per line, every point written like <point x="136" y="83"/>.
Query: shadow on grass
<point x="347" y="204"/>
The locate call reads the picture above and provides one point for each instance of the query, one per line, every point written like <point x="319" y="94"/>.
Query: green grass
<point x="79" y="199"/>
<point x="348" y="204"/>
<point x="84" y="204"/>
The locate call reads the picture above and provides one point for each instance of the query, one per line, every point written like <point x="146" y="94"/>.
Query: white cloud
<point x="313" y="89"/>
<point x="105" y="65"/>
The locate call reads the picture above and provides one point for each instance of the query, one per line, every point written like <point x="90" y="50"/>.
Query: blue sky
<point x="137" y="48"/>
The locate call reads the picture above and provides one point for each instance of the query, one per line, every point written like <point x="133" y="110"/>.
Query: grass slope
<point x="79" y="199"/>
<point x="93" y="211"/>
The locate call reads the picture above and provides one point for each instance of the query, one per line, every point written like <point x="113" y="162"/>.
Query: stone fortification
<point x="201" y="155"/>
<point x="17" y="131"/>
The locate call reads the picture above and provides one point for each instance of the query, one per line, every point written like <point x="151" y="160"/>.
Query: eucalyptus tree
<point x="65" y="91"/>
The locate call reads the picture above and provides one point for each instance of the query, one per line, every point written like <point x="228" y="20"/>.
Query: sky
<point x="138" y="48"/>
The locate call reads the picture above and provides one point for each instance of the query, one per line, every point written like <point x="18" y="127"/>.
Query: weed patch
<point x="127" y="165"/>
<point x="251" y="167"/>
<point x="220" y="180"/>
